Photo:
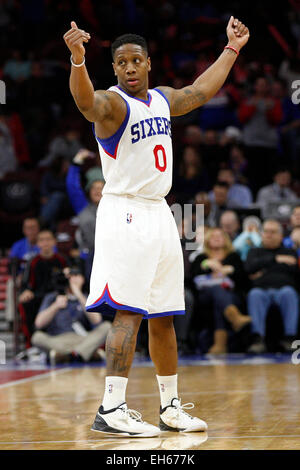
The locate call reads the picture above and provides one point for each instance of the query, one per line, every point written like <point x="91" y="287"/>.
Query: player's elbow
<point x="87" y="111"/>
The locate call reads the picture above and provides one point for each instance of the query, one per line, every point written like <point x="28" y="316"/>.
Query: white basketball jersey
<point x="137" y="160"/>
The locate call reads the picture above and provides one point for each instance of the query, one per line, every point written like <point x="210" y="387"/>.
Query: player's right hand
<point x="74" y="39"/>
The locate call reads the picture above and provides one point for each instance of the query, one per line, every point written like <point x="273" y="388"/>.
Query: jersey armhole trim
<point x="163" y="95"/>
<point x="110" y="144"/>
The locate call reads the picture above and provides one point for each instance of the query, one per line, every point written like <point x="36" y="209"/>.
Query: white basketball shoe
<point x="174" y="418"/>
<point x="122" y="421"/>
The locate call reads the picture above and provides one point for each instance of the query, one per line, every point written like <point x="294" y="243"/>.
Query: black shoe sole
<point x="100" y="425"/>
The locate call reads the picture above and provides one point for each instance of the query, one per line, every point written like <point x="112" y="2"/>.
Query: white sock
<point x="115" y="390"/>
<point x="167" y="388"/>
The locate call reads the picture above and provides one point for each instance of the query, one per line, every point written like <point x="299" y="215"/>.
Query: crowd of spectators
<point x="238" y="156"/>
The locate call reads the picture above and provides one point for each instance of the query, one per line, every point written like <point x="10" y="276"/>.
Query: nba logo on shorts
<point x="162" y="387"/>
<point x="129" y="218"/>
<point x="110" y="388"/>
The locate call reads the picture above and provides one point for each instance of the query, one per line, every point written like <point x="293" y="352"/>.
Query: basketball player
<point x="138" y="267"/>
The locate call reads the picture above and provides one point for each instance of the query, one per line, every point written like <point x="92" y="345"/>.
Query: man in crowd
<point x="240" y="194"/>
<point x="65" y="330"/>
<point x="260" y="114"/>
<point x="229" y="222"/>
<point x="274" y="273"/>
<point x="220" y="202"/>
<point x="37" y="280"/>
<point x="21" y="252"/>
<point x="27" y="248"/>
<point x="278" y="191"/>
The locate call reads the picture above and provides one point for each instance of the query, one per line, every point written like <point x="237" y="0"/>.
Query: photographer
<point x="69" y="332"/>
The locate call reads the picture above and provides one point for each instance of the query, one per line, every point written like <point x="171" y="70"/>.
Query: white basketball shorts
<point x="138" y="262"/>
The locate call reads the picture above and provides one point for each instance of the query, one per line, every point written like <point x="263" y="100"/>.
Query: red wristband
<point x="233" y="49"/>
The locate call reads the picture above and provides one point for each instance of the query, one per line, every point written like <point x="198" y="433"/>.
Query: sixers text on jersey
<point x="150" y="127"/>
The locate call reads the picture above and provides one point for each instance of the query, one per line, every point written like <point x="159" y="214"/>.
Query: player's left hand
<point x="237" y="33"/>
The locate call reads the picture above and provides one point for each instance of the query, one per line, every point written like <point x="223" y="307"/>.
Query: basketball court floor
<point x="248" y="403"/>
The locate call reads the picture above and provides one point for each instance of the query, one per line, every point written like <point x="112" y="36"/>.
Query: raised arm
<point x="96" y="106"/>
<point x="187" y="99"/>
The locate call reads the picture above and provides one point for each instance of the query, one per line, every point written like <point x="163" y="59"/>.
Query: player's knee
<point x="126" y="317"/>
<point x="161" y="325"/>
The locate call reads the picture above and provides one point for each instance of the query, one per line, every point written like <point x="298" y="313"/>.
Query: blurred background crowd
<point x="238" y="155"/>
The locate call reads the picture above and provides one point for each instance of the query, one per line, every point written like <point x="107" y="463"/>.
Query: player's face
<point x="131" y="66"/>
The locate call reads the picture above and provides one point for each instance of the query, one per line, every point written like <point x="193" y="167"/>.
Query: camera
<point x="61" y="281"/>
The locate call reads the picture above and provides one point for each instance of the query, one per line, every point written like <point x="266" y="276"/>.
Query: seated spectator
<point x="231" y="135"/>
<point x="66" y="145"/>
<point x="8" y="157"/>
<point x="295" y="236"/>
<point x="289" y="126"/>
<point x="260" y="114"/>
<point x="294" y="224"/>
<point x="230" y="224"/>
<point x="85" y="207"/>
<point x="65" y="330"/>
<point x="249" y="238"/>
<point x="26" y="248"/>
<point x="53" y="191"/>
<point x="240" y="194"/>
<point x="239" y="164"/>
<point x="20" y="253"/>
<point x="192" y="135"/>
<point x="220" y="280"/>
<point x="192" y="177"/>
<point x="219" y="111"/>
<point x="276" y="192"/>
<point x="220" y="202"/>
<point x="273" y="270"/>
<point x="213" y="153"/>
<point x="202" y="198"/>
<point x="37" y="279"/>
<point x="17" y="67"/>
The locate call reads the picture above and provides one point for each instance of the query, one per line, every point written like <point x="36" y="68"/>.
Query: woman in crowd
<point x="220" y="281"/>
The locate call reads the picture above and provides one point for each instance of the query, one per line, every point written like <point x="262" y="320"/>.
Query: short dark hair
<point x="221" y="184"/>
<point x="129" y="39"/>
<point x="46" y="230"/>
<point x="281" y="169"/>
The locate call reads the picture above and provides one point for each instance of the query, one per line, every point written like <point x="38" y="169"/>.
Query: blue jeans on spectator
<point x="259" y="302"/>
<point x="219" y="298"/>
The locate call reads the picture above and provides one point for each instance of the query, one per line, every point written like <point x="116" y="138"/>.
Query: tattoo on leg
<point x="120" y="347"/>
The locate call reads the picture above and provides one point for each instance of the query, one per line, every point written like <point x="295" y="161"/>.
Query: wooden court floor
<point x="246" y="407"/>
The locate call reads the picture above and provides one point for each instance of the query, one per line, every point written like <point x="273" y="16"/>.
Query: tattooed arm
<point x="209" y="83"/>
